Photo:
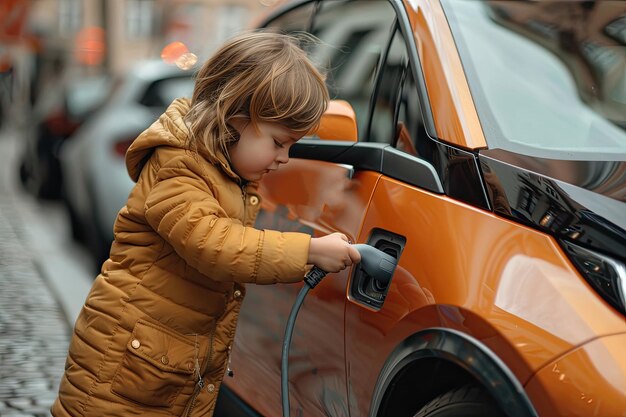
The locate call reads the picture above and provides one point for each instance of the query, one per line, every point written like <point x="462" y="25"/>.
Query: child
<point x="155" y="333"/>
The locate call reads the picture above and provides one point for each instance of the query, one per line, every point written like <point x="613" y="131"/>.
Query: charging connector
<point x="314" y="277"/>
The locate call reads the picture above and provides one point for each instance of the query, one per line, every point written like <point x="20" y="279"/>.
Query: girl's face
<point x="261" y="148"/>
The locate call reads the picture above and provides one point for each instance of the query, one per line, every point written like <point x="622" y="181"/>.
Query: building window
<point x="139" y="18"/>
<point x="70" y="16"/>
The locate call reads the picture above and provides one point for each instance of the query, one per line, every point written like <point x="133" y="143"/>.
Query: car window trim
<point x="316" y="8"/>
<point x="404" y="26"/>
<point x="398" y="102"/>
<point x="380" y="70"/>
<point x="395" y="31"/>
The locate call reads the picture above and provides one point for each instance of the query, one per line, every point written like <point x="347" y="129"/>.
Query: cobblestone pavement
<point x="34" y="333"/>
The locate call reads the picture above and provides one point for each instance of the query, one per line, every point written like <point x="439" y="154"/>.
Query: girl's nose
<point x="283" y="156"/>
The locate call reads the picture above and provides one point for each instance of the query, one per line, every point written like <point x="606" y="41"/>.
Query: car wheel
<point x="467" y="401"/>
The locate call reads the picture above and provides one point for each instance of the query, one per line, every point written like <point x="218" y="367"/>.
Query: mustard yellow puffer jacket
<point x="154" y="335"/>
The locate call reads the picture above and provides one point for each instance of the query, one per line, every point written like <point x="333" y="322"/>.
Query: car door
<point x="410" y="214"/>
<point x="316" y="192"/>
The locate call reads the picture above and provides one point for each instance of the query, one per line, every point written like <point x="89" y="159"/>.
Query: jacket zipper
<point x="192" y="403"/>
<point x="200" y="384"/>
<point x="244" y="197"/>
<point x="229" y="371"/>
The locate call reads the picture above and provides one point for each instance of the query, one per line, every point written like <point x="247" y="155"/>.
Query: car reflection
<point x="561" y="209"/>
<point x="587" y="37"/>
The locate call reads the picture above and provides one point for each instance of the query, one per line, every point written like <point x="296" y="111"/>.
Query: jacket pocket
<point x="157" y="364"/>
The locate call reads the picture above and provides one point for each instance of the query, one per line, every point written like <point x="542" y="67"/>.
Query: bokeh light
<point x="90" y="45"/>
<point x="173" y="51"/>
<point x="186" y="61"/>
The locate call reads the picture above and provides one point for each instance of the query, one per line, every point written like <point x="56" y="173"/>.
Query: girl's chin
<point x="255" y="177"/>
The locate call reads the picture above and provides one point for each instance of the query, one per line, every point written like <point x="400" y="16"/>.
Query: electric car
<point x="482" y="144"/>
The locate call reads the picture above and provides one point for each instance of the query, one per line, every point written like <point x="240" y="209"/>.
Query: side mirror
<point x="338" y="122"/>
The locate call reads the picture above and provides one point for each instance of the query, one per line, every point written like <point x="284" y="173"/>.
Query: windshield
<point x="548" y="78"/>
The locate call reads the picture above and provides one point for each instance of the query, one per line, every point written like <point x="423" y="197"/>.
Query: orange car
<point x="483" y="144"/>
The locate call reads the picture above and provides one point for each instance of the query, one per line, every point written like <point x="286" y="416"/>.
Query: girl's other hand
<point x="333" y="252"/>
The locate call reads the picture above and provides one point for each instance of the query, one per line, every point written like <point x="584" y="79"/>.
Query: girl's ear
<point x="239" y="122"/>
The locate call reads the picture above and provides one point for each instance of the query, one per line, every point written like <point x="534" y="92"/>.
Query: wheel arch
<point x="458" y="356"/>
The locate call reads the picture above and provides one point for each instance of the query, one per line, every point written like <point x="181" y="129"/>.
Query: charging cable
<point x="312" y="278"/>
<point x="374" y="262"/>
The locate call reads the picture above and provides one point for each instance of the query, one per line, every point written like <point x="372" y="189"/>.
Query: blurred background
<point x="46" y="41"/>
<point x="79" y="80"/>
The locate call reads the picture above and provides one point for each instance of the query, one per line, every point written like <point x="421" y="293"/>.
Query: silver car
<point x="96" y="184"/>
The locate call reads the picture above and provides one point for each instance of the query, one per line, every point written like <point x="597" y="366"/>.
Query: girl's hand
<point x="333" y="252"/>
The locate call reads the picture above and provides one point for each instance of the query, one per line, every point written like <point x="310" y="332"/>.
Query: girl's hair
<point x="263" y="76"/>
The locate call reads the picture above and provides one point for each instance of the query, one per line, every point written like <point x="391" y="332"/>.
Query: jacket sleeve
<point x="183" y="210"/>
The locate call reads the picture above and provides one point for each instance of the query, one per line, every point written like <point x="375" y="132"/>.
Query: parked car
<point x="96" y="183"/>
<point x="60" y="110"/>
<point x="490" y="160"/>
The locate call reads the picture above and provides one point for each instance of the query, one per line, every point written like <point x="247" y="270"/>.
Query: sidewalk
<point x="34" y="322"/>
<point x="34" y="334"/>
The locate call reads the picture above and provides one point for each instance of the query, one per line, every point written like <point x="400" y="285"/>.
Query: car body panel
<point x="334" y="202"/>
<point x="502" y="291"/>
<point x="454" y="114"/>
<point x="563" y="384"/>
<point x="464" y="277"/>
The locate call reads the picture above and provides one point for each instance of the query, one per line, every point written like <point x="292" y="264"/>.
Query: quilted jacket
<point x="154" y="335"/>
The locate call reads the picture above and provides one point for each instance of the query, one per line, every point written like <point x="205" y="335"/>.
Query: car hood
<point x="169" y="130"/>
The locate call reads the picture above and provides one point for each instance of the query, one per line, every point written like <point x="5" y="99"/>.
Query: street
<point x="44" y="278"/>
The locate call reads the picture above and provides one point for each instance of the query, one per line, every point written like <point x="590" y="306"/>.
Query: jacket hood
<point x="169" y="130"/>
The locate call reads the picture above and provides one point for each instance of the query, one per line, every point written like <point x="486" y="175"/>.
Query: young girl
<point x="155" y="333"/>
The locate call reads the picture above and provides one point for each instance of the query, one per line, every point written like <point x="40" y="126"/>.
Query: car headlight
<point x="605" y="274"/>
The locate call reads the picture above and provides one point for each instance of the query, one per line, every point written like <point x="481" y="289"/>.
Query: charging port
<point x="363" y="288"/>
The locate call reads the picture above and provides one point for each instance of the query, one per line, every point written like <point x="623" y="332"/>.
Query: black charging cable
<point x="374" y="262"/>
<point x="312" y="278"/>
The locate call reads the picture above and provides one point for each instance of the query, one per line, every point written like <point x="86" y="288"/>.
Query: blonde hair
<point x="263" y="76"/>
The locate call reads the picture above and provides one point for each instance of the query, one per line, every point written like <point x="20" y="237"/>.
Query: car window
<point x="354" y="34"/>
<point x="88" y="95"/>
<point x="383" y="124"/>
<point x="296" y="20"/>
<point x="548" y="78"/>
<point x="397" y="117"/>
<point x="410" y="130"/>
<point x="161" y="93"/>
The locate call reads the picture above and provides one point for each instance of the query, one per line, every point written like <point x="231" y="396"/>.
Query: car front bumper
<point x="587" y="381"/>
